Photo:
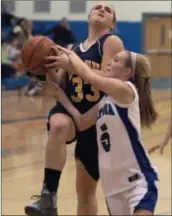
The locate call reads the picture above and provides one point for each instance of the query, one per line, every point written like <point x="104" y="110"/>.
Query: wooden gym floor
<point x="23" y="140"/>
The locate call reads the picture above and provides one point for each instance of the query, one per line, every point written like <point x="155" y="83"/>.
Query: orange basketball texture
<point x="33" y="53"/>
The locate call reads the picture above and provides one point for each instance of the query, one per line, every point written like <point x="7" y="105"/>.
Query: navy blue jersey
<point x="83" y="95"/>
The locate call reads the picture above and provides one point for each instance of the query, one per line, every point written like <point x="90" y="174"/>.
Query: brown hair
<point x="141" y="80"/>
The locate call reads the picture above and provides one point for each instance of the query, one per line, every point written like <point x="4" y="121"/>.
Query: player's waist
<point x="83" y="106"/>
<point x="118" y="181"/>
<point x="126" y="168"/>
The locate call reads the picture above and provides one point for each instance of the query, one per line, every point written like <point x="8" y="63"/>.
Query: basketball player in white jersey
<point x="127" y="176"/>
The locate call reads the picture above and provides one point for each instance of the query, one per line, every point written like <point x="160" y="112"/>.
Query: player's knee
<point x="59" y="126"/>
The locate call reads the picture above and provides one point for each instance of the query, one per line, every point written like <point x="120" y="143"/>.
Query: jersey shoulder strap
<point x="102" y="40"/>
<point x="75" y="46"/>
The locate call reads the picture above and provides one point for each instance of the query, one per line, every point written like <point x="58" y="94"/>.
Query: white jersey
<point x="123" y="162"/>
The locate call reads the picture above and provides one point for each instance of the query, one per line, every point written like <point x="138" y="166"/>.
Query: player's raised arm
<point x="111" y="46"/>
<point x="116" y="88"/>
<point x="58" y="77"/>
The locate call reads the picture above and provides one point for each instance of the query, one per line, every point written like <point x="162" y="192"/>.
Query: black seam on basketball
<point x="39" y="63"/>
<point x="35" y="50"/>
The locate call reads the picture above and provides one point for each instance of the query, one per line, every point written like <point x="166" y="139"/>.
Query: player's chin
<point x="98" y="20"/>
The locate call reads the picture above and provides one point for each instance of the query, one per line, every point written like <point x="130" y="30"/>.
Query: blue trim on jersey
<point x="150" y="198"/>
<point x="144" y="163"/>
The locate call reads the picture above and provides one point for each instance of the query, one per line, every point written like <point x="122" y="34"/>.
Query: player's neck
<point x="96" y="34"/>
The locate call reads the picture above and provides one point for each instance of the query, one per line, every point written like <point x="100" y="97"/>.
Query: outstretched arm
<point x="164" y="141"/>
<point x="83" y="121"/>
<point x="112" y="45"/>
<point x="118" y="89"/>
<point x="59" y="77"/>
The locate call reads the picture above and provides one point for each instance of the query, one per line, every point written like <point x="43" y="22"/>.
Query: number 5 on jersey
<point x="105" y="138"/>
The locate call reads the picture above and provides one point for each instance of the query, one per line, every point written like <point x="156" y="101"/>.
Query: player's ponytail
<point x="142" y="81"/>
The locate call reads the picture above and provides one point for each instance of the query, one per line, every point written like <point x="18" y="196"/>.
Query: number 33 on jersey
<point x="82" y="94"/>
<point x="83" y="90"/>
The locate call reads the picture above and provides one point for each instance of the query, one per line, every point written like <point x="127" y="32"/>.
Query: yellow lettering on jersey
<point x="92" y="64"/>
<point x="78" y="83"/>
<point x="94" y="94"/>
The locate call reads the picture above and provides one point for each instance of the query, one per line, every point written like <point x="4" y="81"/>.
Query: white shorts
<point x="142" y="196"/>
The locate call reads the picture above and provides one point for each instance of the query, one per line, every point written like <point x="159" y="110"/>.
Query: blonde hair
<point x="141" y="79"/>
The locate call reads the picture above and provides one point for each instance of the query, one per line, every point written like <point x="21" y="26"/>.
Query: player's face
<point x="102" y="14"/>
<point x="116" y="66"/>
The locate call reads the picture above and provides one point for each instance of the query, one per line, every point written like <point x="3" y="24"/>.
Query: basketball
<point x="33" y="53"/>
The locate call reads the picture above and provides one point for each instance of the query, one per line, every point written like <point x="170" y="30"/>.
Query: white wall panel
<point x="125" y="10"/>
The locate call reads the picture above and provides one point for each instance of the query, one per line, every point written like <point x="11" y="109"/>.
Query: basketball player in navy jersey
<point x="95" y="51"/>
<point x="127" y="175"/>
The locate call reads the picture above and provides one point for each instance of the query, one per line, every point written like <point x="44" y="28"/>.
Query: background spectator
<point x="62" y="34"/>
